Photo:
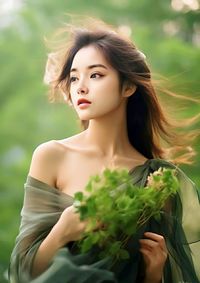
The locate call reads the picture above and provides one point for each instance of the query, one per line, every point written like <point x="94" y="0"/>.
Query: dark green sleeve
<point x="42" y="208"/>
<point x="180" y="225"/>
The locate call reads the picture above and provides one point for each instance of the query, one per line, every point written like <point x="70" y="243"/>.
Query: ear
<point x="128" y="89"/>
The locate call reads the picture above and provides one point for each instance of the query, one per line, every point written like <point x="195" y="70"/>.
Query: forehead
<point x="87" y="56"/>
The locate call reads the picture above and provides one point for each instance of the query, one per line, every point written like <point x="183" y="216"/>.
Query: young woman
<point x="107" y="81"/>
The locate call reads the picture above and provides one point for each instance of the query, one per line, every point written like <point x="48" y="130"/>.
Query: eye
<point x="72" y="79"/>
<point x="96" y="75"/>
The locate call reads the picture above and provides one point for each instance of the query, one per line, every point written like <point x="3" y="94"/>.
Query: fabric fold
<point x="44" y="204"/>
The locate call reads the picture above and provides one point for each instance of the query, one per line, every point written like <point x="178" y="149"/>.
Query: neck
<point x="108" y="134"/>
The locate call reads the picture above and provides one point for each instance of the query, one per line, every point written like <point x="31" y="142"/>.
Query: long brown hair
<point x="150" y="130"/>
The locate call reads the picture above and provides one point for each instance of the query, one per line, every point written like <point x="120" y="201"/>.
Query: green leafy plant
<point x="113" y="206"/>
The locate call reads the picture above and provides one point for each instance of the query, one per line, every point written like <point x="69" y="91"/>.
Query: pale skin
<point x="67" y="164"/>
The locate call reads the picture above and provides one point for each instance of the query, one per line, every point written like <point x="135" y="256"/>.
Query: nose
<point x="82" y="86"/>
<point x="82" y="90"/>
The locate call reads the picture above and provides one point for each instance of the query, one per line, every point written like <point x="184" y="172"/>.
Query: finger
<point x="149" y="243"/>
<point x="82" y="226"/>
<point x="153" y="247"/>
<point x="157" y="238"/>
<point x="154" y="255"/>
<point x="144" y="246"/>
<point x="153" y="236"/>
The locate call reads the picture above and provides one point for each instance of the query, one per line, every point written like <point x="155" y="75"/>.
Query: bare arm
<point x="46" y="251"/>
<point x="68" y="228"/>
<point x="44" y="165"/>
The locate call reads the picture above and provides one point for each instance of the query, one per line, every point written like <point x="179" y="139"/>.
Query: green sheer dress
<point x="179" y="224"/>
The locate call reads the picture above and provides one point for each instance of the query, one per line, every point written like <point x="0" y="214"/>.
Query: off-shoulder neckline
<point x="32" y="180"/>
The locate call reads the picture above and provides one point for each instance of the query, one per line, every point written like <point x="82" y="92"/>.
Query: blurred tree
<point x="168" y="32"/>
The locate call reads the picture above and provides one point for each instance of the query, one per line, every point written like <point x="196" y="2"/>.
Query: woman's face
<point x="93" y="79"/>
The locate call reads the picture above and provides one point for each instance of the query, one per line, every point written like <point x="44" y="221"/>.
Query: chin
<point x="87" y="116"/>
<point x="84" y="117"/>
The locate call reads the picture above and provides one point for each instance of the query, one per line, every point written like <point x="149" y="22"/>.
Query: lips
<point x="82" y="101"/>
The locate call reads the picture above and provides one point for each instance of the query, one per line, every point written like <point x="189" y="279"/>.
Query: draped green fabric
<point x="179" y="225"/>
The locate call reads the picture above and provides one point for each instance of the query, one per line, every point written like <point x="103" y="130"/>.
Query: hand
<point x="154" y="253"/>
<point x="69" y="227"/>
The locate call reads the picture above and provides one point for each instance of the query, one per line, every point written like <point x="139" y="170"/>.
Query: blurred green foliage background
<point x="167" y="31"/>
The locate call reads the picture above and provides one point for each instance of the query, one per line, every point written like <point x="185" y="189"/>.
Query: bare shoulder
<point x="46" y="160"/>
<point x="72" y="142"/>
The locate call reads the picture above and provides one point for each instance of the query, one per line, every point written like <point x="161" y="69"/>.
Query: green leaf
<point x="114" y="201"/>
<point x="83" y="210"/>
<point x="78" y="196"/>
<point x="91" y="206"/>
<point x="115" y="247"/>
<point x="124" y="254"/>
<point x="95" y="238"/>
<point x="86" y="244"/>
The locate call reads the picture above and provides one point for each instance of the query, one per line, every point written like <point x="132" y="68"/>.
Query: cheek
<point x="107" y="96"/>
<point x="114" y="87"/>
<point x="112" y="95"/>
<point x="108" y="102"/>
<point x="109" y="88"/>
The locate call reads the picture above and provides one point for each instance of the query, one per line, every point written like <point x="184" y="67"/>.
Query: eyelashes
<point x="96" y="74"/>
<point x="93" y="76"/>
<point x="72" y="79"/>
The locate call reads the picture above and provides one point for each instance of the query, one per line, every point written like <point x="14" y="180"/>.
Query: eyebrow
<point x="90" y="67"/>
